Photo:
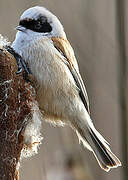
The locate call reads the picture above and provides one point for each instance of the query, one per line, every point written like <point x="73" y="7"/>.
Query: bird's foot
<point x="20" y="62"/>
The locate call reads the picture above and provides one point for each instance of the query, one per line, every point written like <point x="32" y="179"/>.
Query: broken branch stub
<point x="16" y="110"/>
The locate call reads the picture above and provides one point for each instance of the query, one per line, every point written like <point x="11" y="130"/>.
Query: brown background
<point x="92" y="28"/>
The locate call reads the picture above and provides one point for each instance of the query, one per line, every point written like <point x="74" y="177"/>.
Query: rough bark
<point x="15" y="104"/>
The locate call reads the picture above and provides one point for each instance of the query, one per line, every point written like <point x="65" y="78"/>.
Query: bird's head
<point x="38" y="21"/>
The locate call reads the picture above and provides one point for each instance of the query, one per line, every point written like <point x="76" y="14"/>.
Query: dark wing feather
<point x="82" y="90"/>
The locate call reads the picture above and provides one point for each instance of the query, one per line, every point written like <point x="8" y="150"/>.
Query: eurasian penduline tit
<point x="61" y="94"/>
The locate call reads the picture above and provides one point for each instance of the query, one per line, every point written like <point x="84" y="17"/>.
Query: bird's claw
<point x="19" y="60"/>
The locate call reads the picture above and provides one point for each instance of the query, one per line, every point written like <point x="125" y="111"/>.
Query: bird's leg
<point x="20" y="62"/>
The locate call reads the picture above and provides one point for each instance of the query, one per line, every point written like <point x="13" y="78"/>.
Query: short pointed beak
<point x="20" y="28"/>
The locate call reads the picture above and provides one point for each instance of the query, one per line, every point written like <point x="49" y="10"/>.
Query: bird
<point x="61" y="94"/>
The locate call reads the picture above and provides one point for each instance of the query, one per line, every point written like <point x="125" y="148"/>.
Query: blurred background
<point x="97" y="31"/>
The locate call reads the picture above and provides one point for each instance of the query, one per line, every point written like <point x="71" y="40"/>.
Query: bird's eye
<point x="38" y="25"/>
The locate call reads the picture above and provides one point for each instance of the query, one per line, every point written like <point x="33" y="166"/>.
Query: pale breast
<point x="55" y="82"/>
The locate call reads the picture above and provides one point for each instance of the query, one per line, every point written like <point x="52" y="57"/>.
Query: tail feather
<point x="103" y="154"/>
<point x="95" y="142"/>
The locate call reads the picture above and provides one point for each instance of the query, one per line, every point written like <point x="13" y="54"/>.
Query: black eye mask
<point x="40" y="25"/>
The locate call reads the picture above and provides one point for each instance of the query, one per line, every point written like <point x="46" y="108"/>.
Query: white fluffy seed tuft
<point x="3" y="41"/>
<point x="32" y="135"/>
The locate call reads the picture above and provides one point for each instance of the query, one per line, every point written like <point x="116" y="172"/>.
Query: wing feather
<point x="64" y="47"/>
